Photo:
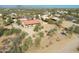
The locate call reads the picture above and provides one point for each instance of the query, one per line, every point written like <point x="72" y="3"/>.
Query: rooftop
<point x="30" y="22"/>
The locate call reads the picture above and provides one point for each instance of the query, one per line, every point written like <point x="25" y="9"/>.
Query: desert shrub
<point x="8" y="22"/>
<point x="8" y="32"/>
<point x="59" y="22"/>
<point x="76" y="29"/>
<point x="5" y="31"/>
<point x="24" y="47"/>
<point x="50" y="21"/>
<point x="1" y="31"/>
<point x="6" y="41"/>
<point x="26" y="44"/>
<point x="12" y="31"/>
<point x="17" y="31"/>
<point x="38" y="27"/>
<point x="51" y="32"/>
<point x="17" y="40"/>
<point x="37" y="41"/>
<point x="70" y="30"/>
<point x="15" y="47"/>
<point x="28" y="41"/>
<point x="73" y="29"/>
<point x="41" y="34"/>
<point x="18" y="22"/>
<point x="23" y="34"/>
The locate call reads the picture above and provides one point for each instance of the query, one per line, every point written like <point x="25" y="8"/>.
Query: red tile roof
<point x="30" y="22"/>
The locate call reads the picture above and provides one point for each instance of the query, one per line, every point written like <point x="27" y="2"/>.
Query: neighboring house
<point x="55" y="18"/>
<point x="44" y="17"/>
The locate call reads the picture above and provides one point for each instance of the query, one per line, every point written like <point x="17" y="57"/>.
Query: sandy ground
<point x="62" y="46"/>
<point x="66" y="44"/>
<point x="71" y="46"/>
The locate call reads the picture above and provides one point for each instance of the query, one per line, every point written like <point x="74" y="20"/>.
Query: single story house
<point x="29" y="22"/>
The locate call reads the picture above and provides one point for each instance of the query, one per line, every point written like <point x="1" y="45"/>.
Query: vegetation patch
<point x="37" y="41"/>
<point x="51" y="32"/>
<point x="41" y="34"/>
<point x="38" y="27"/>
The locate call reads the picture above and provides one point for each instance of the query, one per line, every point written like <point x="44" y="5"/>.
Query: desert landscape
<point x="39" y="30"/>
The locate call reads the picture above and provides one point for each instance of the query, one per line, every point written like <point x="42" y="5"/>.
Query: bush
<point x="23" y="34"/>
<point x="73" y="29"/>
<point x="50" y="32"/>
<point x="76" y="29"/>
<point x="1" y="31"/>
<point x="50" y="21"/>
<point x="8" y="32"/>
<point x="70" y="30"/>
<point x="28" y="41"/>
<point x="18" y="22"/>
<point x="24" y="47"/>
<point x="15" y="47"/>
<point x="17" y="31"/>
<point x="37" y="42"/>
<point x="12" y="31"/>
<point x="41" y="34"/>
<point x="8" y="22"/>
<point x="38" y="27"/>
